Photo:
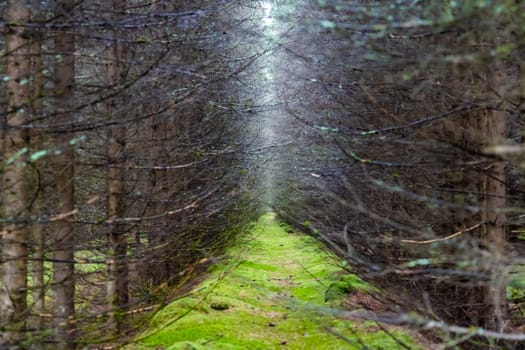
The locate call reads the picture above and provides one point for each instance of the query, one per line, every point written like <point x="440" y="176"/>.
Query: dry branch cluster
<point x="416" y="111"/>
<point x="118" y="177"/>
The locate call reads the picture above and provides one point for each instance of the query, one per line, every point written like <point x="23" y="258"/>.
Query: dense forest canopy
<point x="141" y="139"/>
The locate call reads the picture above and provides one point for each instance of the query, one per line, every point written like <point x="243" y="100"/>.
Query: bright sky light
<point x="267" y="8"/>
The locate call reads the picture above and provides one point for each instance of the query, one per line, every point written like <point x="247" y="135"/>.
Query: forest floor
<point x="273" y="292"/>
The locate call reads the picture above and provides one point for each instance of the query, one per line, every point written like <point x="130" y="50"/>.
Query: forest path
<point x="267" y="296"/>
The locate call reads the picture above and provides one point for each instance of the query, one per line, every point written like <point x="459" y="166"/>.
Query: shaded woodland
<point x="419" y="109"/>
<point x="133" y="155"/>
<point x="119" y="182"/>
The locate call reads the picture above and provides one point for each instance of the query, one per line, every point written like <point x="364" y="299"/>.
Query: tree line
<point x="126" y="168"/>
<point x="416" y="109"/>
<point x="118" y="178"/>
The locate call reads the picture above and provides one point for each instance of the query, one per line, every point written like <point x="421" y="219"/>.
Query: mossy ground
<point x="265" y="297"/>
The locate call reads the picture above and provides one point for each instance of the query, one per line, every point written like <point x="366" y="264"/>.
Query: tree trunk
<point x="520" y="46"/>
<point x="157" y="259"/>
<point x="483" y="303"/>
<point x="38" y="209"/>
<point x="63" y="239"/>
<point x="494" y="188"/>
<point x="117" y="283"/>
<point x="13" y="291"/>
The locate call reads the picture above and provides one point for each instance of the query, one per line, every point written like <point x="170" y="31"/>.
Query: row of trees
<point x="118" y="176"/>
<point x="124" y="146"/>
<point x="414" y="113"/>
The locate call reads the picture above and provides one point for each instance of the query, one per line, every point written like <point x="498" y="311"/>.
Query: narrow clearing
<point x="268" y="296"/>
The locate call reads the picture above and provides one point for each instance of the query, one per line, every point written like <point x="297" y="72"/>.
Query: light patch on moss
<point x="261" y="299"/>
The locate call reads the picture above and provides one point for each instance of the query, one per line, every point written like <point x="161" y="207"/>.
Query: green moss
<point x="254" y="265"/>
<point x="89" y="261"/>
<point x="266" y="297"/>
<point x="348" y="284"/>
<point x="382" y="340"/>
<point x="220" y="304"/>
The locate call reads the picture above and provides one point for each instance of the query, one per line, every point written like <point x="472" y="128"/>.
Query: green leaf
<point x="328" y="24"/>
<point x="504" y="50"/>
<point x="17" y="155"/>
<point x="37" y="155"/>
<point x="422" y="262"/>
<point x="77" y="140"/>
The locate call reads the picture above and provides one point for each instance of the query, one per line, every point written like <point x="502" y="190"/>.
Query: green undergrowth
<point x="268" y="295"/>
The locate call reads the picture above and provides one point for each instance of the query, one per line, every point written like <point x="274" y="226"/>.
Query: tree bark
<point x="63" y="239"/>
<point x="15" y="232"/>
<point x="38" y="209"/>
<point x="494" y="200"/>
<point x="157" y="258"/>
<point x="485" y="301"/>
<point x="117" y="283"/>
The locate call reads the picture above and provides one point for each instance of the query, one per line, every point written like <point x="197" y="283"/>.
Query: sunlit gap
<point x="269" y="122"/>
<point x="267" y="10"/>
